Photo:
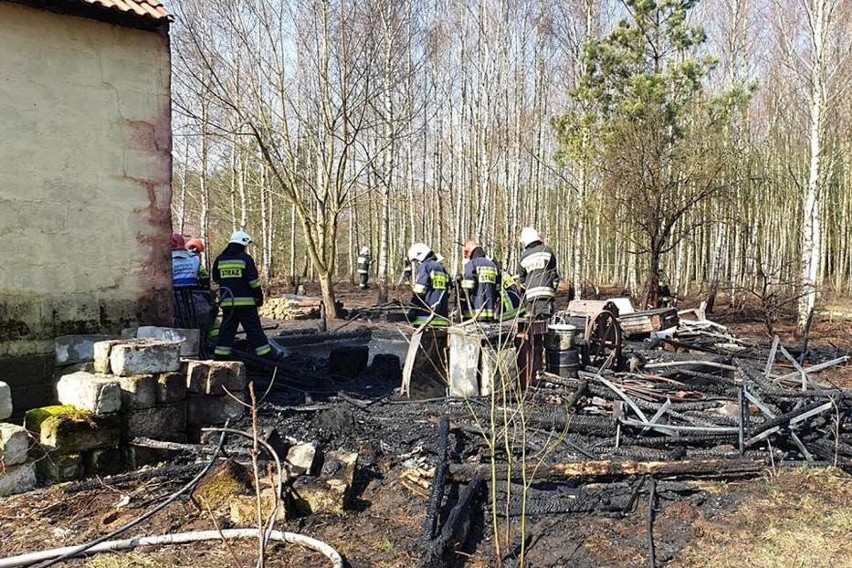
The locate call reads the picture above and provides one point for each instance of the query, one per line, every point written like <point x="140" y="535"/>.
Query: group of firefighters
<point x="486" y="292"/>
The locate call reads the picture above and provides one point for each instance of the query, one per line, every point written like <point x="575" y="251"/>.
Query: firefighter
<point x="193" y="308"/>
<point x="363" y="266"/>
<point x="537" y="275"/>
<point x="510" y="305"/>
<point x="240" y="296"/>
<point x="430" y="302"/>
<point x="480" y="283"/>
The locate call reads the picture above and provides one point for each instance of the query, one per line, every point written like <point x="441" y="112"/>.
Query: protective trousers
<point x="233" y="316"/>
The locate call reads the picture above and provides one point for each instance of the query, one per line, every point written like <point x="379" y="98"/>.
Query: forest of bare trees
<point x="708" y="143"/>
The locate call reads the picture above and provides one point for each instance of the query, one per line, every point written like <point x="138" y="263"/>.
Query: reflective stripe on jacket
<point x="431" y="292"/>
<point x="481" y="276"/>
<point x="363" y="264"/>
<point x="537" y="272"/>
<point x="238" y="280"/>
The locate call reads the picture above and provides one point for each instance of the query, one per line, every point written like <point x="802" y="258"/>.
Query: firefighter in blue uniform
<point x="430" y="302"/>
<point x="239" y="297"/>
<point x="480" y="284"/>
<point x="537" y="275"/>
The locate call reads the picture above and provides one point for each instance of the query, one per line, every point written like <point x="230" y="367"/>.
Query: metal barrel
<point x="563" y="363"/>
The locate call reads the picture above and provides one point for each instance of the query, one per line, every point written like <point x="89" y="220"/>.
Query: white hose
<point x="178" y="538"/>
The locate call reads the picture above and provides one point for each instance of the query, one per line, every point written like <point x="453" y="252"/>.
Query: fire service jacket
<point x="537" y="272"/>
<point x="481" y="279"/>
<point x="238" y="280"/>
<point x="431" y="294"/>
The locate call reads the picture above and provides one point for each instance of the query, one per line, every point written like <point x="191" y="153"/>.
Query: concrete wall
<point x="85" y="173"/>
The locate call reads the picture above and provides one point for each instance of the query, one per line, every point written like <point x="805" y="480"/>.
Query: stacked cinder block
<point x="17" y="475"/>
<point x="135" y="391"/>
<point x="216" y="392"/>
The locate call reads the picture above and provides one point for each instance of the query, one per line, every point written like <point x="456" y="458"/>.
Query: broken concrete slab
<point x="14" y="444"/>
<point x="203" y="410"/>
<point x="71" y="349"/>
<point x="138" y="391"/>
<point x="227" y="480"/>
<point x="328" y="493"/>
<point x="244" y="508"/>
<point x="304" y="456"/>
<point x="101" y="351"/>
<point x="144" y="357"/>
<point x="17" y="479"/>
<point x="171" y="387"/>
<point x="189" y="339"/>
<point x="213" y="377"/>
<point x="71" y="430"/>
<point x="164" y="422"/>
<point x="96" y="393"/>
<point x="60" y="467"/>
<point x="5" y="401"/>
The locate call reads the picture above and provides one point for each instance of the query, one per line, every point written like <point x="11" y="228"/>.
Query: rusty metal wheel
<point x="603" y="340"/>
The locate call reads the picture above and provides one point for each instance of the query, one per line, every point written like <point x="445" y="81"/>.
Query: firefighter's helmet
<point x="529" y="236"/>
<point x="240" y="238"/>
<point x="419" y="252"/>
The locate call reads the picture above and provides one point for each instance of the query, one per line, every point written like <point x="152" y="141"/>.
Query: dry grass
<point x="801" y="518"/>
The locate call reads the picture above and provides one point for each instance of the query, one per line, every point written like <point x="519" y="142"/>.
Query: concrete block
<point x="14" y="444"/>
<point x="189" y="339"/>
<point x="166" y="422"/>
<point x="17" y="479"/>
<point x="103" y="461"/>
<point x="60" y="467"/>
<point x="244" y="508"/>
<point x="71" y="349"/>
<point x="139" y="391"/>
<point x="213" y="377"/>
<point x="328" y="493"/>
<point x="143" y="357"/>
<point x="348" y="362"/>
<point x="171" y="387"/>
<point x="304" y="456"/>
<point x="211" y="410"/>
<point x="135" y="457"/>
<point x="101" y="351"/>
<point x="96" y="393"/>
<point x="69" y="430"/>
<point x="227" y="480"/>
<point x="5" y="401"/>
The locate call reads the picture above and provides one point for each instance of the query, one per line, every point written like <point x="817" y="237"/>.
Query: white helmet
<point x="419" y="252"/>
<point x="365" y="250"/>
<point x="529" y="235"/>
<point x="240" y="238"/>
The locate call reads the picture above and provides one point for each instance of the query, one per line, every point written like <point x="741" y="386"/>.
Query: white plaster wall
<point x="85" y="173"/>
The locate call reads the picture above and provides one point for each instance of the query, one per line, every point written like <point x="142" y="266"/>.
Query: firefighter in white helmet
<point x="537" y="275"/>
<point x="240" y="296"/>
<point x="430" y="303"/>
<point x="363" y="267"/>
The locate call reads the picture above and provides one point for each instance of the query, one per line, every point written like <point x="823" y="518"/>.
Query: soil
<point x="786" y="517"/>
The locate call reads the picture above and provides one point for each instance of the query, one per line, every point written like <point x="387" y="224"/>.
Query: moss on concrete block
<point x="69" y="430"/>
<point x="244" y="508"/>
<point x="227" y="480"/>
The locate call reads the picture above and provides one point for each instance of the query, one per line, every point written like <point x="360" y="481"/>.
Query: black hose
<point x="652" y="499"/>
